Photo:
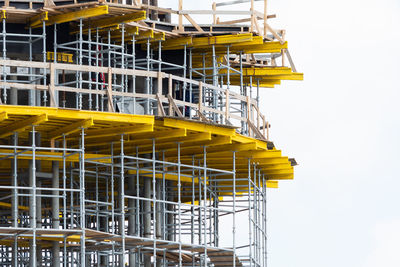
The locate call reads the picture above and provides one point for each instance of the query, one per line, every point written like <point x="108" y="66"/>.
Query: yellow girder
<point x="76" y="15"/>
<point x="138" y="131"/>
<point x="55" y="156"/>
<point x="38" y="19"/>
<point x="157" y="36"/>
<point x="116" y="20"/>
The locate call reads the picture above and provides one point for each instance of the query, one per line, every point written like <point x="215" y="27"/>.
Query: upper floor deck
<point x="132" y="57"/>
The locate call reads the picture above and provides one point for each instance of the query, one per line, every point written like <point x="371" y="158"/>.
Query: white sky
<point x="342" y="124"/>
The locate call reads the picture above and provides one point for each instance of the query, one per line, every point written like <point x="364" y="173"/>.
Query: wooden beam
<point x="109" y="92"/>
<point x="174" y="106"/>
<point x="189" y="18"/>
<point x="52" y="92"/>
<point x="180" y="6"/>
<point x="274" y="33"/>
<point x="161" y="111"/>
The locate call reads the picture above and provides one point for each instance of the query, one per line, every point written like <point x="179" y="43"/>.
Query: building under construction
<point x="131" y="134"/>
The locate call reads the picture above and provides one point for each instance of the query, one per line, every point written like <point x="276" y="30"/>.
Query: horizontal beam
<point x="19" y="126"/>
<point x="116" y="20"/>
<point x="76" y="15"/>
<point x="69" y="129"/>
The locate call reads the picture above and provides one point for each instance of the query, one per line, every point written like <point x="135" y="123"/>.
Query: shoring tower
<point x="130" y="140"/>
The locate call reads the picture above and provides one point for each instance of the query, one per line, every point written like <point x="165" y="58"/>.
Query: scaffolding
<point x="128" y="140"/>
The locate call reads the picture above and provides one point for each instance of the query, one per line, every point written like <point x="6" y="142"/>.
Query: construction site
<point x="132" y="135"/>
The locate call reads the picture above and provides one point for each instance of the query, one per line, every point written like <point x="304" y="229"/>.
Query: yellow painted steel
<point x="61" y="57"/>
<point x="38" y="19"/>
<point x="3" y="116"/>
<point x="76" y="15"/>
<point x="56" y="156"/>
<point x="74" y="127"/>
<point x="8" y="205"/>
<point x="138" y="131"/>
<point x="21" y="125"/>
<point x="157" y="36"/>
<point x="116" y="20"/>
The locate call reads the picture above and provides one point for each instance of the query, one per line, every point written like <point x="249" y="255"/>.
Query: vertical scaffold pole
<point x="122" y="204"/>
<point x="15" y="201"/>
<point x="179" y="206"/>
<point x="123" y="88"/>
<point x="32" y="201"/>
<point x="4" y="58"/>
<point x="147" y="101"/>
<point x="153" y="161"/>
<point x="80" y="61"/>
<point x="65" y="198"/>
<point x="250" y="217"/>
<point x="205" y="202"/>
<point x="134" y="76"/>
<point x="190" y="85"/>
<point x="234" y="209"/>
<point x="56" y="211"/>
<point x="82" y="194"/>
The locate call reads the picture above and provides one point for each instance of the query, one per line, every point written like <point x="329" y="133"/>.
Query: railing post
<point x="109" y="92"/>
<point x="214" y="8"/>
<point x="170" y="112"/>
<point x="53" y="102"/>
<point x="248" y="113"/>
<point x="200" y="96"/>
<point x="265" y="18"/>
<point x="180" y="16"/>
<point x="227" y="106"/>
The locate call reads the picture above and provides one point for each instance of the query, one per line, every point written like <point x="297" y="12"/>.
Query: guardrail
<point x="112" y="92"/>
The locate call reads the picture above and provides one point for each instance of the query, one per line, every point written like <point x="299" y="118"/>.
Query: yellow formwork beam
<point x="55" y="156"/>
<point x="37" y="20"/>
<point x="267" y="47"/>
<point x="115" y="131"/>
<point x="76" y="15"/>
<point x="8" y="205"/>
<point x="221" y="39"/>
<point x="199" y="127"/>
<point x="116" y="20"/>
<point x="77" y="114"/>
<point x="3" y="116"/>
<point x="73" y="127"/>
<point x="103" y="31"/>
<point x="149" y="34"/>
<point x="21" y="125"/>
<point x="177" y="43"/>
<point x="157" y="36"/>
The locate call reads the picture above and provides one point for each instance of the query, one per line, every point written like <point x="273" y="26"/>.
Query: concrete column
<point x="55" y="208"/>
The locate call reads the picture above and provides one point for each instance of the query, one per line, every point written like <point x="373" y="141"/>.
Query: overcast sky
<point x="342" y="124"/>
